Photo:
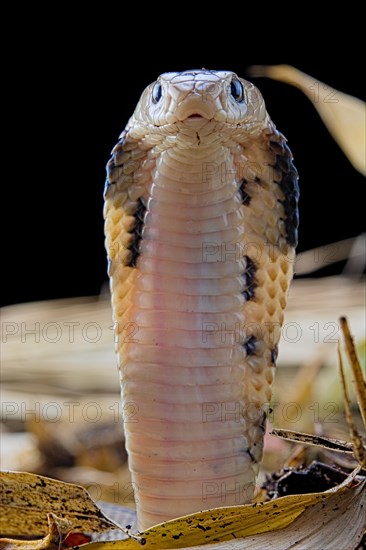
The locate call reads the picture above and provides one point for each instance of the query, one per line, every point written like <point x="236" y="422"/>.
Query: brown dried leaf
<point x="59" y="528"/>
<point x="359" y="451"/>
<point x="359" y="379"/>
<point x="317" y="440"/>
<point x="26" y="499"/>
<point x="343" y="115"/>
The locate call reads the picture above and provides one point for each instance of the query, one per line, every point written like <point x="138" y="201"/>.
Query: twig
<point x="359" y="381"/>
<point x="358" y="449"/>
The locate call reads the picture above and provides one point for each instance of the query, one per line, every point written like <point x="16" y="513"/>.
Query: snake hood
<point x="203" y="101"/>
<point x="201" y="226"/>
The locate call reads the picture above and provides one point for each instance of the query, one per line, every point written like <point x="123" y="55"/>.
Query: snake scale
<point x="201" y="217"/>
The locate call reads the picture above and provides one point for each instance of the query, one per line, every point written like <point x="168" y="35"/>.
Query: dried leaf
<point x="343" y="115"/>
<point x="352" y="250"/>
<point x="225" y="525"/>
<point x="317" y="440"/>
<point x="359" y="451"/>
<point x="59" y="528"/>
<point x="337" y="523"/>
<point x="26" y="499"/>
<point x="359" y="380"/>
<point x="58" y="531"/>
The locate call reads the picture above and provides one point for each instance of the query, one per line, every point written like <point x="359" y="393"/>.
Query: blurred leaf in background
<point x="343" y="115"/>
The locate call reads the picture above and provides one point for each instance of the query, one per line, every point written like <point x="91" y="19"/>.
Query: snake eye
<point x="157" y="92"/>
<point x="237" y="90"/>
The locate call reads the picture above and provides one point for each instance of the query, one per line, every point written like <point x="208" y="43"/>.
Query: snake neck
<point x="190" y="264"/>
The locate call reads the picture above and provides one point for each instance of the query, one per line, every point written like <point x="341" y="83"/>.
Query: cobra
<point x="201" y="217"/>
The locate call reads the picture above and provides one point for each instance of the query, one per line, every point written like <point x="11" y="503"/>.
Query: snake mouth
<point x="195" y="108"/>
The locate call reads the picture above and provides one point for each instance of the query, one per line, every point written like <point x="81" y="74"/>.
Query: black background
<point x="73" y="82"/>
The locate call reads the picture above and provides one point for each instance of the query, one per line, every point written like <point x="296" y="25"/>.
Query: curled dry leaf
<point x="343" y="115"/>
<point x="26" y="499"/>
<point x="59" y="528"/>
<point x="309" y="521"/>
<point x="318" y="440"/>
<point x="339" y="522"/>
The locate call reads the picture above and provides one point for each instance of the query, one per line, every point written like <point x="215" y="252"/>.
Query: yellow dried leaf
<point x="226" y="525"/>
<point x="26" y="499"/>
<point x="337" y="523"/>
<point x="343" y="115"/>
